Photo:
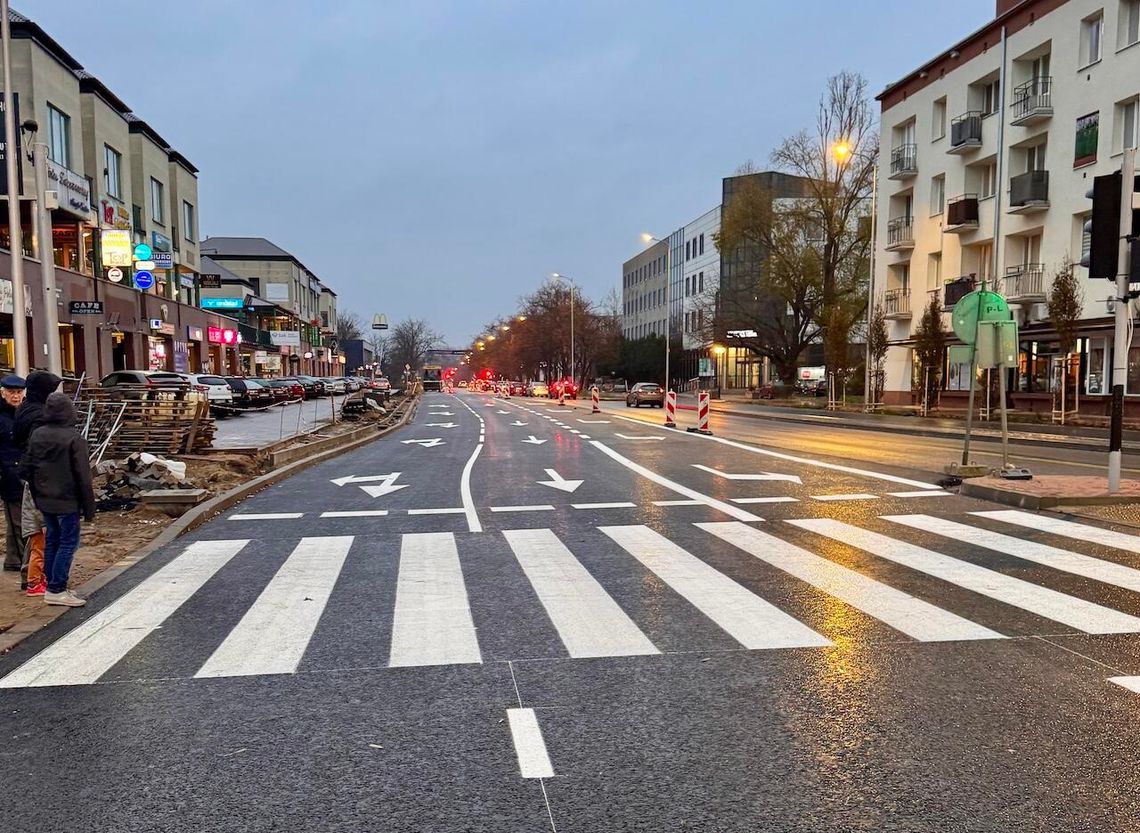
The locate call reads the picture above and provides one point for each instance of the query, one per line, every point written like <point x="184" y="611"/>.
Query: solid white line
<point x="614" y="505"/>
<point x="540" y="507"/>
<point x="455" y="510"/>
<point x="267" y="516"/>
<point x="1059" y="559"/>
<point x="850" y="496"/>
<point x="745" y="500"/>
<point x="1069" y="610"/>
<point x="678" y="503"/>
<point x="272" y="635"/>
<point x="1130" y="683"/>
<point x="692" y="494"/>
<point x="361" y="513"/>
<point x="920" y="493"/>
<point x="1066" y="529"/>
<point x="89" y="650"/>
<point x="903" y="612"/>
<point x="749" y="619"/>
<point x="534" y="762"/>
<point x="432" y="622"/>
<point x="473" y="523"/>
<point x="589" y="622"/>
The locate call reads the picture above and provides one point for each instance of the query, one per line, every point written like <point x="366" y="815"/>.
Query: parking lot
<point x="255" y="429"/>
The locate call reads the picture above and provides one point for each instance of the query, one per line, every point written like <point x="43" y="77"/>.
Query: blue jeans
<point x="60" y="544"/>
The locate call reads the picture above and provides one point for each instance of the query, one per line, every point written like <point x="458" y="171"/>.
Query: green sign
<point x="974" y="307"/>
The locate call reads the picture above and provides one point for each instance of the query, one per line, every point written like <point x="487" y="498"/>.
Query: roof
<point x="136" y="125"/>
<point x="179" y="159"/>
<point x="249" y="248"/>
<point x="88" y="83"/>
<point x="210" y="266"/>
<point x="24" y="27"/>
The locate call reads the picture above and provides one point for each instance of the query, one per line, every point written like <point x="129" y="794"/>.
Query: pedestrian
<point x="57" y="469"/>
<point x="30" y="416"/>
<point x="11" y="487"/>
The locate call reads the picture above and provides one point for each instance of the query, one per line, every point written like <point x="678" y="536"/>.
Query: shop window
<point x="1095" y="378"/>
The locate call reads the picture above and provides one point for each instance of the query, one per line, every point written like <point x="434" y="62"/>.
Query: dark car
<point x="250" y="393"/>
<point x="813" y="387"/>
<point x="285" y="391"/>
<point x="645" y="393"/>
<point x="319" y="386"/>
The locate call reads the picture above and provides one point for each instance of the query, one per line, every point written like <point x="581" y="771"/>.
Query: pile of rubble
<point x="120" y="482"/>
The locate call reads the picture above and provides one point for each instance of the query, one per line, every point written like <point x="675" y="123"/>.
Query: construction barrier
<point x="595" y="407"/>
<point x="671" y="409"/>
<point x="702" y="413"/>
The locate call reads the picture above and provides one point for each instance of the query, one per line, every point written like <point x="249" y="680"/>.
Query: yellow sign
<point x="116" y="247"/>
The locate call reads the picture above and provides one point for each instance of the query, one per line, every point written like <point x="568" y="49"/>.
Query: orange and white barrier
<point x="671" y="409"/>
<point x="595" y="408"/>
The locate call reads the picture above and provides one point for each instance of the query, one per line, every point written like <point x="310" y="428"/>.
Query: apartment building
<point x="643" y="292"/>
<point x="987" y="153"/>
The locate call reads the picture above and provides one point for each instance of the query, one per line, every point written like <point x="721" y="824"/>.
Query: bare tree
<point x="410" y="342"/>
<point x="378" y="344"/>
<point x="348" y="327"/>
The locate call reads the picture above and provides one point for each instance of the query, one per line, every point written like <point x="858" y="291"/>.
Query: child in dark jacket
<point x="57" y="470"/>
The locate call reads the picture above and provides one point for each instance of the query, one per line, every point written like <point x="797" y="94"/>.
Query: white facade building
<point x="700" y="277"/>
<point x="643" y="293"/>
<point x="987" y="153"/>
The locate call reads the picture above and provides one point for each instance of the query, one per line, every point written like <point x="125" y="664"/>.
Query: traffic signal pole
<point x="1123" y="309"/>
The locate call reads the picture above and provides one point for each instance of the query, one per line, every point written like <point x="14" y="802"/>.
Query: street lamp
<point x="571" y="284"/>
<point x="648" y="238"/>
<point x="719" y="351"/>
<point x="15" y="225"/>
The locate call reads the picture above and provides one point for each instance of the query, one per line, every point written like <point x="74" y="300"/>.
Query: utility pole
<point x="47" y="261"/>
<point x="15" y="228"/>
<point x="1123" y="308"/>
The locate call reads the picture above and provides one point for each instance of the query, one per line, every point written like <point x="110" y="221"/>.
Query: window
<point x="59" y="137"/>
<point x="1087" y="138"/>
<point x="1126" y="132"/>
<point x="991" y="98"/>
<point x="1091" y="30"/>
<point x="937" y="195"/>
<point x="987" y="185"/>
<point x="934" y="270"/>
<point x="1128" y="27"/>
<point x="188" y="221"/>
<point x="701" y="282"/>
<point x="156" y="201"/>
<point x="1035" y="158"/>
<point x="112" y="177"/>
<point x="938" y="120"/>
<point x="687" y="250"/>
<point x="702" y="238"/>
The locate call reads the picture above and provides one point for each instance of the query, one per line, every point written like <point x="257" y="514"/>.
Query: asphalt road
<point x="702" y="634"/>
<point x="260" y="427"/>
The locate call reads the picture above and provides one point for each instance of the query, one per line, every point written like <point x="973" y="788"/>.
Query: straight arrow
<point x="432" y="443"/>
<point x="790" y="478"/>
<point x="533" y="440"/>
<point x="502" y="412"/>
<point x="558" y="482"/>
<point x="519" y="422"/>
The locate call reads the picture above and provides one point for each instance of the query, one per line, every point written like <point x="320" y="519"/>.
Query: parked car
<point x="645" y="393"/>
<point x="382" y="384"/>
<point x="217" y="391"/>
<point x="319" y="387"/>
<point x="354" y="383"/>
<point x="150" y="378"/>
<point x="813" y="387"/>
<point x="335" y="385"/>
<point x="537" y="389"/>
<point x="250" y="393"/>
<point x="308" y="391"/>
<point x="285" y="391"/>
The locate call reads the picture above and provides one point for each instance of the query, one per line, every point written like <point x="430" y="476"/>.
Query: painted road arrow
<point x="791" y="478"/>
<point x="502" y="412"/>
<point x="441" y="425"/>
<point x="432" y="443"/>
<point x="442" y="413"/>
<point x="368" y="478"/>
<point x="533" y="440"/>
<point x="556" y="481"/>
<point x="387" y="483"/>
<point x="519" y="422"/>
<point x="627" y="437"/>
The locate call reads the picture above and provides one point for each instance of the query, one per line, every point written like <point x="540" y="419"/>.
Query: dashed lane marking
<point x="268" y="516"/>
<point x="359" y="513"/>
<point x="849" y="496"/>
<point x="540" y="507"/>
<point x="614" y="505"/>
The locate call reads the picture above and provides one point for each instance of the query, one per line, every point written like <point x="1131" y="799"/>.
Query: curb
<point x="193" y="519"/>
<point x="970" y="488"/>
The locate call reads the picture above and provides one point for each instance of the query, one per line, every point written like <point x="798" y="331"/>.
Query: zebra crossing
<point x="432" y="623"/>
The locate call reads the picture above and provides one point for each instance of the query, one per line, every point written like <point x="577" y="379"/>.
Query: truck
<point x="433" y="377"/>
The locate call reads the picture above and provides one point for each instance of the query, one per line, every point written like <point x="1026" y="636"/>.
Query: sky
<point x="439" y="159"/>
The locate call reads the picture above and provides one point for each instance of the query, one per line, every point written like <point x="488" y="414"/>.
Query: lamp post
<point x="570" y="283"/>
<point x="649" y="238"/>
<point x="719" y="351"/>
<point x="47" y="255"/>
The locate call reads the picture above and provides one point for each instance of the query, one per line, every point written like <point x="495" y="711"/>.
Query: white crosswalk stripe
<point x="1069" y="562"/>
<point x="903" y="612"/>
<point x="747" y="618"/>
<point x="1076" y="613"/>
<point x="272" y="635"/>
<point x="1066" y="529"/>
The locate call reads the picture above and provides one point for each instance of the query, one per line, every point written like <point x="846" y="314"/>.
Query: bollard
<point x="702" y="414"/>
<point x="671" y="409"/>
<point x="595" y="408"/>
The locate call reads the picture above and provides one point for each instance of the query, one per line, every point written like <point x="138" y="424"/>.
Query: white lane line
<point x="360" y="513"/>
<point x="678" y="503"/>
<point x="849" y="496"/>
<point x="1069" y="610"/>
<point x="921" y="493"/>
<point x="1059" y="559"/>
<point x="534" y="762"/>
<point x="1130" y="683"/>
<point x="432" y="622"/>
<point x="89" y="650"/>
<point x="692" y="494"/>
<point x="746" y="500"/>
<point x="903" y="612"/>
<point x="575" y="431"/>
<point x="473" y="524"/>
<point x="594" y="421"/>
<point x="747" y="618"/>
<point x="584" y="437"/>
<point x="267" y="516"/>
<point x="1066" y="529"/>
<point x="272" y="635"/>
<point x="539" y="507"/>
<point x="452" y="510"/>
<point x="588" y="620"/>
<point x="615" y="505"/>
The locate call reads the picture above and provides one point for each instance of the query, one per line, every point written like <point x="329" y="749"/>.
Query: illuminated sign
<point x="223" y="303"/>
<point x="222" y="335"/>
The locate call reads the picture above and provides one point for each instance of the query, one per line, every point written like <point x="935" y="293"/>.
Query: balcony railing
<point x="1024" y="283"/>
<point x="1033" y="100"/>
<point x="1029" y="191"/>
<point x="956" y="290"/>
<point x="904" y="161"/>
<point x="896" y="303"/>
<point x="966" y="132"/>
<point x="900" y="233"/>
<point x="962" y="213"/>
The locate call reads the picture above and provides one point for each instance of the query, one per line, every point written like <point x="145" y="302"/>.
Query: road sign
<point x="144" y="280"/>
<point x="114" y="274"/>
<point x="143" y="252"/>
<point x="977" y="306"/>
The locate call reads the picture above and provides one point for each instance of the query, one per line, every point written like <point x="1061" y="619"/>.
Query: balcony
<point x="896" y="304"/>
<point x="962" y="214"/>
<point x="966" y="132"/>
<point x="1029" y="192"/>
<point x="1025" y="284"/>
<point x="955" y="290"/>
<point x="904" y="162"/>
<point x="1032" y="102"/>
<point x="900" y="234"/>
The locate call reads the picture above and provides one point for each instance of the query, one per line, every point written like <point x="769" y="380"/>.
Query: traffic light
<point x="1103" y="229"/>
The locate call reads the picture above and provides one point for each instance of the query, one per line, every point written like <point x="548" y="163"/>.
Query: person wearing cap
<point x="30" y="416"/>
<point x="11" y="487"/>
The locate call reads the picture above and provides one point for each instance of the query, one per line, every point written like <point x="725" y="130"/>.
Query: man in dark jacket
<point x="29" y="417"/>
<point x="57" y="469"/>
<point x="11" y="487"/>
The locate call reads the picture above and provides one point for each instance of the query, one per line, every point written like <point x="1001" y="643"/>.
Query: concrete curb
<point x="994" y="494"/>
<point x="193" y="519"/>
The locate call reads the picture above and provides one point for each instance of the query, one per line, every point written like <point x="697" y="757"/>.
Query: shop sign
<point x="277" y="292"/>
<point x="116" y="247"/>
<point x="210" y="280"/>
<point x="704" y="367"/>
<point x="222" y="335"/>
<point x="162" y="260"/>
<point x="6" y="302"/>
<point x="285" y="338"/>
<point x="114" y="274"/>
<point x="164" y="327"/>
<point x="181" y="357"/>
<point x="4" y="149"/>
<point x="223" y="303"/>
<point x="260" y="356"/>
<point x="72" y="191"/>
<point x="186" y="280"/>
<point x="194" y="333"/>
<point x="85" y="307"/>
<point x="159" y="242"/>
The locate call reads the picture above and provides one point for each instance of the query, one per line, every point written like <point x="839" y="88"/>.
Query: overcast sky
<point x="438" y="159"/>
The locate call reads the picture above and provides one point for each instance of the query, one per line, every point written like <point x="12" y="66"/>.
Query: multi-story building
<point x="643" y="292"/>
<point x="987" y="153"/>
